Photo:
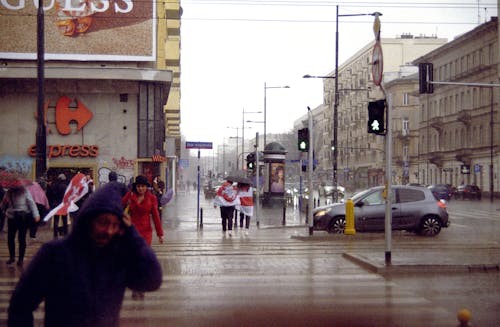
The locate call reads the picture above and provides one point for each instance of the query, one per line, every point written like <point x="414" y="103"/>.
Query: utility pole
<point x="41" y="131"/>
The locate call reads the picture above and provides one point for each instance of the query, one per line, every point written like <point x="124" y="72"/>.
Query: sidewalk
<point x="409" y="253"/>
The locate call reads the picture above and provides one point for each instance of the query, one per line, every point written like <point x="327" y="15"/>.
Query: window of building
<point x="406" y="99"/>
<point x="406" y="126"/>
<point x="151" y="125"/>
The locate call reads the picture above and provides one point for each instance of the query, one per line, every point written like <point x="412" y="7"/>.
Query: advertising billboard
<point x="121" y="30"/>
<point x="277" y="180"/>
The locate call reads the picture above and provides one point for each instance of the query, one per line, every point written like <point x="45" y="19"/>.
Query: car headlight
<point x="320" y="213"/>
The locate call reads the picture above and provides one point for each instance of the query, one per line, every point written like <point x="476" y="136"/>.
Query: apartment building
<point x="459" y="132"/>
<point x="361" y="155"/>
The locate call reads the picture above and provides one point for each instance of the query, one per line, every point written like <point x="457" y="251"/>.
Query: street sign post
<point x="198" y="145"/>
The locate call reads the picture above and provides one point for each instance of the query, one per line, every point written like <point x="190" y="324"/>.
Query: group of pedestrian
<point x="107" y="250"/>
<point x="231" y="197"/>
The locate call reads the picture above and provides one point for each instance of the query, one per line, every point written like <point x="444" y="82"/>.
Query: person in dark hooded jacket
<point x="82" y="278"/>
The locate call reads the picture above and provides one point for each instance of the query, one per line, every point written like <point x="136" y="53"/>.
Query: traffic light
<point x="251" y="161"/>
<point x="426" y="75"/>
<point x="376" y="110"/>
<point x="303" y="140"/>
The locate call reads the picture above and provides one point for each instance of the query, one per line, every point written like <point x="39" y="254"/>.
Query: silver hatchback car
<point x="413" y="209"/>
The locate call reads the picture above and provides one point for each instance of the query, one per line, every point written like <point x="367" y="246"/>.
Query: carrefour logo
<point x="65" y="115"/>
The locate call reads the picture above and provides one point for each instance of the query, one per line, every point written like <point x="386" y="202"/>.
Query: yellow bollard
<point x="349" y="218"/>
<point x="463" y="317"/>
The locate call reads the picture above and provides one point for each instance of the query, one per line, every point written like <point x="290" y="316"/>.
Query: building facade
<point x="360" y="161"/>
<point x="106" y="103"/>
<point x="459" y="133"/>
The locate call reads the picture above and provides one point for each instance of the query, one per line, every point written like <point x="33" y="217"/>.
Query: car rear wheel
<point x="337" y="225"/>
<point x="430" y="226"/>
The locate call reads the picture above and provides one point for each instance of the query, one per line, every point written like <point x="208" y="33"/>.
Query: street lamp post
<point x="265" y="105"/>
<point x="336" y="99"/>
<point x="237" y="137"/>
<point x="256" y="122"/>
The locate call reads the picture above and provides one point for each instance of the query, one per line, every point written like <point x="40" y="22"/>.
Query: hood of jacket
<point x="107" y="199"/>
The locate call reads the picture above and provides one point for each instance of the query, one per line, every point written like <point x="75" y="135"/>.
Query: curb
<point x="382" y="269"/>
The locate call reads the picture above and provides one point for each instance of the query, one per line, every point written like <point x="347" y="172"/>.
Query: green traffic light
<point x="375" y="125"/>
<point x="303" y="145"/>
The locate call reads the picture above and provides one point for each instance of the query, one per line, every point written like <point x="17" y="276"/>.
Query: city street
<point x="281" y="276"/>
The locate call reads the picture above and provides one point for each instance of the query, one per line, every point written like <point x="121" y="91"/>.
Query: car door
<point x="370" y="212"/>
<point x="410" y="202"/>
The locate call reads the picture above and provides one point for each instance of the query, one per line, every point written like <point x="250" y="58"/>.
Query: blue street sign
<point x="198" y="145"/>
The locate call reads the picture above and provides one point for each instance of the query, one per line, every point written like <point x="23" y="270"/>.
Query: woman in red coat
<point x="142" y="205"/>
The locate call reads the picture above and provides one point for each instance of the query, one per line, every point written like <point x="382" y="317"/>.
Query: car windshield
<point x="359" y="195"/>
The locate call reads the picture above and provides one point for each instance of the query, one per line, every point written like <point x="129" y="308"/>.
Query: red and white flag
<point x="76" y="189"/>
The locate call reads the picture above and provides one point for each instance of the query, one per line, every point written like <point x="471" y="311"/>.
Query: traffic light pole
<point x="310" y="172"/>
<point x="257" y="186"/>
<point x="388" y="176"/>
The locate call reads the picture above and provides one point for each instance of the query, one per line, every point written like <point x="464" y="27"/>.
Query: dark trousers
<point x="247" y="220"/>
<point x="18" y="224"/>
<point x="2" y="220"/>
<point x="33" y="224"/>
<point x="226" y="214"/>
<point x="60" y="230"/>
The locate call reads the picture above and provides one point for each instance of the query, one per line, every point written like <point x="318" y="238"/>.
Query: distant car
<point x="414" y="209"/>
<point x="441" y="191"/>
<point x="468" y="192"/>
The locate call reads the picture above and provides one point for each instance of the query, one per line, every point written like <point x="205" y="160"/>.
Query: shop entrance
<point x="150" y="170"/>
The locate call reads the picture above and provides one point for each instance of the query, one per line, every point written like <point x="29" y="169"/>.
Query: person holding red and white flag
<point x="76" y="189"/>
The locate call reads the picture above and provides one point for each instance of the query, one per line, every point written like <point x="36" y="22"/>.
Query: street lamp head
<point x="310" y="76"/>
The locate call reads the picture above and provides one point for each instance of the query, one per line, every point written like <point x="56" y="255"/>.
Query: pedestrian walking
<point x="83" y="277"/>
<point x="113" y="179"/>
<point x="142" y="206"/>
<point x="57" y="196"/>
<point x="158" y="190"/>
<point x="2" y="213"/>
<point x="245" y="194"/>
<point x="226" y="198"/>
<point x="19" y="209"/>
<point x="42" y="204"/>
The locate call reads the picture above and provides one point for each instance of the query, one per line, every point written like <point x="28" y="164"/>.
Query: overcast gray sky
<point x="230" y="48"/>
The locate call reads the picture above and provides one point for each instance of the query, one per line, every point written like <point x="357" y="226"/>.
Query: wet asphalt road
<point x="280" y="276"/>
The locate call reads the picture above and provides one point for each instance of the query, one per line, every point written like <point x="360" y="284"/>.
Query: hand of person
<point x="126" y="219"/>
<point x="37" y="219"/>
<point x="160" y="238"/>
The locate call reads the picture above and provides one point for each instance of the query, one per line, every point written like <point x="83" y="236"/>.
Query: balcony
<point x="437" y="123"/>
<point x="436" y="159"/>
<point x="464" y="117"/>
<point x="403" y="136"/>
<point x="464" y="156"/>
